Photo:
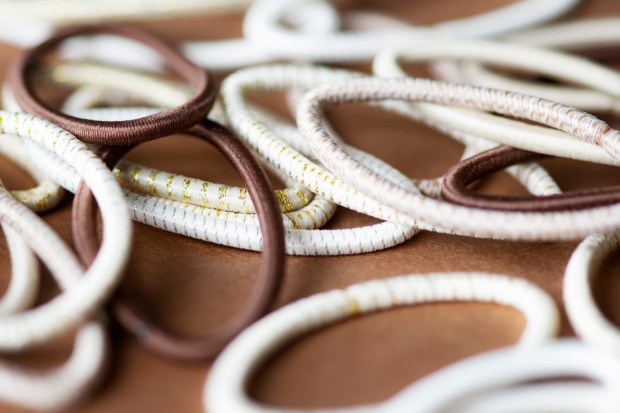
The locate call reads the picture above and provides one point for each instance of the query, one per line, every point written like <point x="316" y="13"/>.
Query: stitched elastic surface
<point x="126" y="132"/>
<point x="454" y="186"/>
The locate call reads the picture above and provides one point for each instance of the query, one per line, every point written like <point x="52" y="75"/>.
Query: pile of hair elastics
<point x="129" y="87"/>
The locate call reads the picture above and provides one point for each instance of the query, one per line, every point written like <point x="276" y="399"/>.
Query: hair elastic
<point x="126" y="132"/>
<point x="270" y="272"/>
<point x="262" y="25"/>
<point x="87" y="290"/>
<point x="474" y="222"/>
<point x="226" y="386"/>
<point x="454" y="187"/>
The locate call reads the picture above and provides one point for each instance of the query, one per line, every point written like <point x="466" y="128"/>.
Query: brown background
<point x="191" y="286"/>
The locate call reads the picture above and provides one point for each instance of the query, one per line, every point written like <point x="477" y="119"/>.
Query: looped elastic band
<point x="125" y="132"/>
<point x="454" y="186"/>
<point x="269" y="275"/>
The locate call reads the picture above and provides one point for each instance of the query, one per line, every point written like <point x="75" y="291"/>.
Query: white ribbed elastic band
<point x="225" y="389"/>
<point x="501" y="130"/>
<point x="406" y="204"/>
<point x="85" y="292"/>
<point x="449" y="388"/>
<point x="587" y="319"/>
<point x="262" y="26"/>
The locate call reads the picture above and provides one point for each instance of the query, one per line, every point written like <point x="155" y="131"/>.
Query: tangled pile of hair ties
<point x="503" y="122"/>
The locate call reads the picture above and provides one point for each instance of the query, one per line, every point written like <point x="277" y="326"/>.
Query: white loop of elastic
<point x="85" y="292"/>
<point x="61" y="387"/>
<point x="24" y="285"/>
<point x="225" y="389"/>
<point x="474" y="222"/>
<point x="64" y="385"/>
<point x="531" y="175"/>
<point x="567" y="397"/>
<point x="577" y="34"/>
<point x="506" y="131"/>
<point x="262" y="26"/>
<point x="587" y="319"/>
<point x="600" y="94"/>
<point x="509" y="367"/>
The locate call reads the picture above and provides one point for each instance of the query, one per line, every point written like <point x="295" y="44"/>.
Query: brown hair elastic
<point x="125" y="132"/>
<point x="454" y="186"/>
<point x="270" y="272"/>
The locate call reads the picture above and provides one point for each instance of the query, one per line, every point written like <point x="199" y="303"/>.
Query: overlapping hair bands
<point x="511" y="94"/>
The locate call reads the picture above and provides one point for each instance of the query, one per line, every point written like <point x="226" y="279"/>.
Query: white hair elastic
<point x="501" y="130"/>
<point x="58" y="388"/>
<point x="84" y="291"/>
<point x="225" y="388"/>
<point x="405" y="204"/>
<point x="61" y="386"/>
<point x="587" y="319"/>
<point x="262" y="26"/>
<point x="452" y="388"/>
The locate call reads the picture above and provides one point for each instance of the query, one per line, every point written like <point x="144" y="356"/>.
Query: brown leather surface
<point x="191" y="286"/>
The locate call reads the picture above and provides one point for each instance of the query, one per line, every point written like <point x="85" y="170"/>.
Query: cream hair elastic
<point x="587" y="319"/>
<point x="404" y="203"/>
<point x="225" y="389"/>
<point x="87" y="290"/>
<point x="574" y="35"/>
<point x="501" y="130"/>
<point x="262" y="26"/>
<point x="471" y="385"/>
<point x="319" y="179"/>
<point x="24" y="285"/>
<point x="62" y="386"/>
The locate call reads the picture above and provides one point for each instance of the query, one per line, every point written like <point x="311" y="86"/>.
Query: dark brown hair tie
<point x="270" y="272"/>
<point x="454" y="186"/>
<point x="125" y="132"/>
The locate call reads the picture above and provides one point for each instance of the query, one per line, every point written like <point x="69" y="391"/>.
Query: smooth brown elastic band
<point x="270" y="272"/>
<point x="126" y="132"/>
<point x="454" y="186"/>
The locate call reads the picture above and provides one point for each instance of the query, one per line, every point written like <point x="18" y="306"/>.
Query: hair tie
<point x="491" y="381"/>
<point x="225" y="388"/>
<point x="451" y="120"/>
<point x="454" y="187"/>
<point x="126" y="132"/>
<point x="589" y="322"/>
<point x="22" y="328"/>
<point x="270" y="272"/>
<point x="88" y="290"/>
<point x="474" y="222"/>
<point x="262" y="25"/>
